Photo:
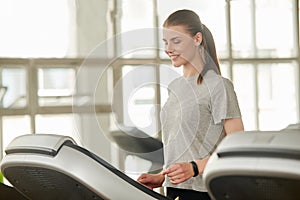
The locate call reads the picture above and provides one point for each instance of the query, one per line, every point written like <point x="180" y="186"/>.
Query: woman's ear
<point x="198" y="38"/>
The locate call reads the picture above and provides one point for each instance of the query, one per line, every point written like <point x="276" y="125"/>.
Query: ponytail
<point x="210" y="53"/>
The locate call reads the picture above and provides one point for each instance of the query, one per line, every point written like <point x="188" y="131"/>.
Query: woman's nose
<point x="169" y="48"/>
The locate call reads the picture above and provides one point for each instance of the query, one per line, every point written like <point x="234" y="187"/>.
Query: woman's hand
<point x="152" y="180"/>
<point x="179" y="172"/>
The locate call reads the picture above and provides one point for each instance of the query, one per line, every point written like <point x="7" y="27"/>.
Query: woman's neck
<point x="192" y="69"/>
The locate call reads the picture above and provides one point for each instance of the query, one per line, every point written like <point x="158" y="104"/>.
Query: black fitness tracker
<point x="195" y="168"/>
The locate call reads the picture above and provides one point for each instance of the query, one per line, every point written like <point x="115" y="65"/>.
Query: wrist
<point x="195" y="168"/>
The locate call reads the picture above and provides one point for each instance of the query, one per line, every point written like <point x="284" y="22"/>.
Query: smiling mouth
<point x="173" y="57"/>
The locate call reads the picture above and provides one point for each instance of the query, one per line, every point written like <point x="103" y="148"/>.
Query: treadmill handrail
<point x="117" y="172"/>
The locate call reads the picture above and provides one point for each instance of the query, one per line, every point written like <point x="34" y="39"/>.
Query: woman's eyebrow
<point x="174" y="38"/>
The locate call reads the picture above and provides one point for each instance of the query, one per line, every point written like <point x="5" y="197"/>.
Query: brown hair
<point x="191" y="21"/>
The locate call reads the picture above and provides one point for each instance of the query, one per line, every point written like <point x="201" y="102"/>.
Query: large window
<point x="35" y="28"/>
<point x="56" y="86"/>
<point x="258" y="25"/>
<point x="252" y="51"/>
<point x="14" y="80"/>
<point x="256" y="41"/>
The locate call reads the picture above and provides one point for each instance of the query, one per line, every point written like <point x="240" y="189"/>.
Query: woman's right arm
<point x="152" y="180"/>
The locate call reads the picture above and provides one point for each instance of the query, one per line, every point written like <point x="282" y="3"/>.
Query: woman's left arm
<point x="181" y="172"/>
<point x="233" y="125"/>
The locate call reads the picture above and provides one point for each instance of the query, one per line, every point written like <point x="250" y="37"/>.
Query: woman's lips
<point x="174" y="57"/>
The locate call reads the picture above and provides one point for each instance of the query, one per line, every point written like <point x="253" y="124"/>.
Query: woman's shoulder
<point x="175" y="81"/>
<point x="216" y="82"/>
<point x="227" y="83"/>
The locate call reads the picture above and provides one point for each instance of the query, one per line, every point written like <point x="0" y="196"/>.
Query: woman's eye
<point x="176" y="41"/>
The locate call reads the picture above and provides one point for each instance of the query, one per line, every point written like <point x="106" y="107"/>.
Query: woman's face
<point x="179" y="45"/>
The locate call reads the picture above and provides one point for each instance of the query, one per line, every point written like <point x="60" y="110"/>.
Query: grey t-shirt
<point x="192" y="120"/>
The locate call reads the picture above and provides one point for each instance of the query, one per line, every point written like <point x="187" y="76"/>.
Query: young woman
<point x="201" y="110"/>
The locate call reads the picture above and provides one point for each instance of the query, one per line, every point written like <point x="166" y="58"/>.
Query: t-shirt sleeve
<point x="224" y="103"/>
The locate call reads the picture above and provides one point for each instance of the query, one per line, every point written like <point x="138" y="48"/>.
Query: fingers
<point x="177" y="180"/>
<point x="143" y="178"/>
<point x="151" y="180"/>
<point x="173" y="170"/>
<point x="178" y="173"/>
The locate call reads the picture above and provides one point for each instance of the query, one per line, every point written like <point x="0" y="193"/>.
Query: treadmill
<point x="262" y="165"/>
<point x="48" y="167"/>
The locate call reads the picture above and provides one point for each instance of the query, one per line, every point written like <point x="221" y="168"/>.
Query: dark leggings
<point x="184" y="194"/>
